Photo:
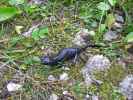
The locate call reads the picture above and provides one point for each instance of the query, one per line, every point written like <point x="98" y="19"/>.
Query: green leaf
<point x="112" y="2"/>
<point x="36" y="59"/>
<point x="102" y="28"/>
<point x="129" y="37"/>
<point x="15" y="40"/>
<point x="40" y="33"/>
<point x="7" y="12"/>
<point x="103" y="6"/>
<point x="24" y="67"/>
<point x="43" y="32"/>
<point x="16" y="2"/>
<point x="110" y="20"/>
<point x="35" y="34"/>
<point x="18" y="29"/>
<point x="28" y="60"/>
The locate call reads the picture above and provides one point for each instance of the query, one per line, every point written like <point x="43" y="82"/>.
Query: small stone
<point x="110" y="35"/>
<point x="126" y="86"/>
<point x="52" y="18"/>
<point x="64" y="76"/>
<point x="13" y="87"/>
<point x="65" y="92"/>
<point x="53" y="97"/>
<point x="87" y="97"/>
<point x="51" y="78"/>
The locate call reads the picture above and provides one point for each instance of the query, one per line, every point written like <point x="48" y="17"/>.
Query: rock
<point x="110" y="35"/>
<point x="53" y="97"/>
<point x="126" y="86"/>
<point x="64" y="76"/>
<point x="82" y="37"/>
<point x="117" y="25"/>
<point x="95" y="63"/>
<point x="98" y="62"/>
<point x="51" y="78"/>
<point x="119" y="18"/>
<point x="13" y="86"/>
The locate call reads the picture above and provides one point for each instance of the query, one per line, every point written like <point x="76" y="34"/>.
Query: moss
<point x="114" y="75"/>
<point x="110" y="78"/>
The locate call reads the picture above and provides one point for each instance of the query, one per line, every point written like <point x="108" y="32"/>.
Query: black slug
<point x="64" y="54"/>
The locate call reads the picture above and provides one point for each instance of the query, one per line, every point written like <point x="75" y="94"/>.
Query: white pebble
<point x="13" y="86"/>
<point x="51" y="78"/>
<point x="64" y="76"/>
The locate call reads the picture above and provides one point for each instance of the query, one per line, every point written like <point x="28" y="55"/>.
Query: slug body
<point x="63" y="55"/>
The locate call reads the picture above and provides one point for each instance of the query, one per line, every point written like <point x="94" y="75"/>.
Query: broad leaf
<point x="16" y="2"/>
<point x="129" y="37"/>
<point x="43" y="32"/>
<point x="103" y="6"/>
<point x="40" y="33"/>
<point x="110" y="20"/>
<point x="7" y="12"/>
<point x="35" y="34"/>
<point x="102" y="28"/>
<point x="112" y="2"/>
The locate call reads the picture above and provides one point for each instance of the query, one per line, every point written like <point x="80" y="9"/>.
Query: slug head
<point x="46" y="60"/>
